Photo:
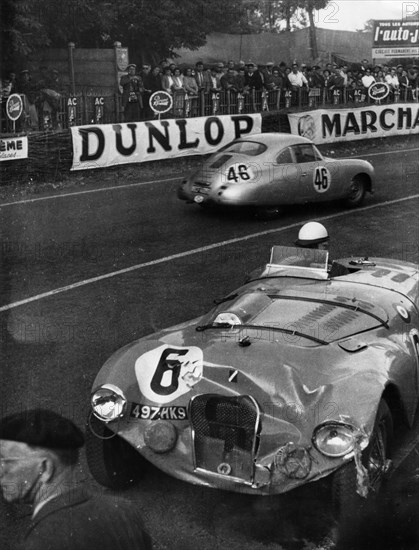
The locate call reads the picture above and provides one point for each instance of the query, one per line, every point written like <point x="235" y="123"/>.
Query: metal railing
<point x="88" y="108"/>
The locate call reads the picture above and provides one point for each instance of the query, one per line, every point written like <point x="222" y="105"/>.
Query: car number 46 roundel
<point x="321" y="179"/>
<point x="238" y="173"/>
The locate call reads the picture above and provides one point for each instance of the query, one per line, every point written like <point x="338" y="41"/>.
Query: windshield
<point x="287" y="256"/>
<point x="251" y="148"/>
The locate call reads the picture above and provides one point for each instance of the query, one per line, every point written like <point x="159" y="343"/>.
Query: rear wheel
<point x="346" y="501"/>
<point x="357" y="192"/>
<point x="112" y="461"/>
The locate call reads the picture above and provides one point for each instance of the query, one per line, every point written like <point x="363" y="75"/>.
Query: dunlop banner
<point x="334" y="125"/>
<point x="98" y="146"/>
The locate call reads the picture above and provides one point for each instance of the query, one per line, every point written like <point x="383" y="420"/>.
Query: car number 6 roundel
<point x="322" y="179"/>
<point x="167" y="372"/>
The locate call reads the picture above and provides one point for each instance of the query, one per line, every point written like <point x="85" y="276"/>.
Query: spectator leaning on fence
<point x="317" y="77"/>
<point x="232" y="65"/>
<point x="167" y="80"/>
<point x="212" y="81"/>
<point x="200" y="75"/>
<point x="189" y="82"/>
<point x="296" y="78"/>
<point x="393" y="80"/>
<point x="229" y="81"/>
<point x="368" y="79"/>
<point x="253" y="78"/>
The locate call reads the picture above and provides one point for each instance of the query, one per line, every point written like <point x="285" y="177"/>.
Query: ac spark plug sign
<point x="98" y="146"/>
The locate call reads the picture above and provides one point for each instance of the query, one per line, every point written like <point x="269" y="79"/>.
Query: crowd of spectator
<point x="41" y="96"/>
<point x="200" y="89"/>
<point x="243" y="78"/>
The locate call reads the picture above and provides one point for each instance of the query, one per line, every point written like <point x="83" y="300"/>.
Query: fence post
<point x="71" y="47"/>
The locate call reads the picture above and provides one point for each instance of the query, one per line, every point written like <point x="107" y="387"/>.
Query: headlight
<point x="334" y="439"/>
<point x="108" y="403"/>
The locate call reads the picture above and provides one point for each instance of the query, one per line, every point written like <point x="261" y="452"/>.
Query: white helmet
<point x="312" y="233"/>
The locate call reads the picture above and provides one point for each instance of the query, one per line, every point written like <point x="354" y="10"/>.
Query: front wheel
<point x="357" y="192"/>
<point x="112" y="461"/>
<point x="345" y="500"/>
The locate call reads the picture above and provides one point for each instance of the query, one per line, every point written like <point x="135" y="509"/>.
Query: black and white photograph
<point x="209" y="275"/>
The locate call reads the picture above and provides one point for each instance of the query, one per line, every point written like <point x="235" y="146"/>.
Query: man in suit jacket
<point x="253" y="78"/>
<point x="38" y="453"/>
<point x="200" y="75"/>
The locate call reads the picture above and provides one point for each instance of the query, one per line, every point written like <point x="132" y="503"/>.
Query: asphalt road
<point x="84" y="274"/>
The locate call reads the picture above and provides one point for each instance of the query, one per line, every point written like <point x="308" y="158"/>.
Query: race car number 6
<point x="322" y="179"/>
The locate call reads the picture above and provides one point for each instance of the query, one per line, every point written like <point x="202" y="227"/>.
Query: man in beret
<point x="39" y="451"/>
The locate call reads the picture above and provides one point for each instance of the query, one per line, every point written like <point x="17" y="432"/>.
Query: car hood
<point x="286" y="381"/>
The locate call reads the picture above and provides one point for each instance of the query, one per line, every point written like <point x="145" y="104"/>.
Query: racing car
<point x="276" y="169"/>
<point x="298" y="375"/>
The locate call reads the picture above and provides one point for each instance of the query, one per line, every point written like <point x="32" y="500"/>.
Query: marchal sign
<point x="161" y="102"/>
<point x="14" y="107"/>
<point x="378" y="90"/>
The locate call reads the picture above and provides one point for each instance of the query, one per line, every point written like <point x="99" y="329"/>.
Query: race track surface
<point x="84" y="274"/>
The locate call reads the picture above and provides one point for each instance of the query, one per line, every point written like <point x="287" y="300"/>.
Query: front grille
<point x="225" y="433"/>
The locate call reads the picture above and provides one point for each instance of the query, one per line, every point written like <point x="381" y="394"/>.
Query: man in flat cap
<point x="39" y="451"/>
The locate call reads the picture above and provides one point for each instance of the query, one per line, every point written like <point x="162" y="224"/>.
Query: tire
<point x="357" y="193"/>
<point x="112" y="461"/>
<point x="346" y="502"/>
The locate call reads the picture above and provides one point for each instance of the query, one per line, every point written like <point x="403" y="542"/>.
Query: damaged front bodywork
<point x="279" y="385"/>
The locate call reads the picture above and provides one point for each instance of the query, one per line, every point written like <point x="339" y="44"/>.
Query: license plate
<point x="148" y="412"/>
<point x="202" y="190"/>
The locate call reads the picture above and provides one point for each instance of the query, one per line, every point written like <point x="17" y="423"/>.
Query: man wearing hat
<point x="253" y="78"/>
<point x="38" y="454"/>
<point x="132" y="90"/>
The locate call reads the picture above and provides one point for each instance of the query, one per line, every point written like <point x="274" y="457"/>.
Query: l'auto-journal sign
<point x="333" y="125"/>
<point x="395" y="39"/>
<point x="98" y="146"/>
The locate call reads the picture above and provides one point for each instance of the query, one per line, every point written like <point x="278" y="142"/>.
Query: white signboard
<point x="98" y="146"/>
<point x="395" y="38"/>
<point x="13" y="148"/>
<point x="334" y="125"/>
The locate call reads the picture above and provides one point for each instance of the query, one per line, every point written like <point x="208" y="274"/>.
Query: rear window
<point x="251" y="148"/>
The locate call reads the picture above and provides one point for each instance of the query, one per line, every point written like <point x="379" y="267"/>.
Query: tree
<point x="20" y="32"/>
<point x="368" y="26"/>
<point x="310" y="6"/>
<point x="157" y="26"/>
